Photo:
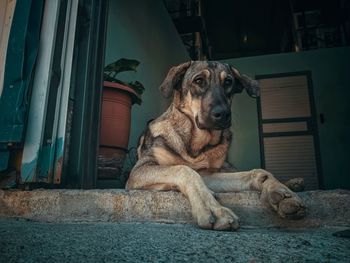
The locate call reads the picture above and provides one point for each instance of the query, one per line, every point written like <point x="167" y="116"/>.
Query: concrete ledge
<point x="326" y="208"/>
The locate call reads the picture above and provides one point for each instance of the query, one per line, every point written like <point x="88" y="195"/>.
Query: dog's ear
<point x="244" y="82"/>
<point x="174" y="79"/>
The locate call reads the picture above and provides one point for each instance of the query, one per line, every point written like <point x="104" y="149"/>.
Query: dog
<point x="185" y="149"/>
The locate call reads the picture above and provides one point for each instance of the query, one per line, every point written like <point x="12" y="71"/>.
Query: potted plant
<point x="117" y="100"/>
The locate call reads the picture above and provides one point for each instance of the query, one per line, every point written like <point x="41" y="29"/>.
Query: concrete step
<point x="326" y="208"/>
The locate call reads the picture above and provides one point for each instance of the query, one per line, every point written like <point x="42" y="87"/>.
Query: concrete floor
<point x="28" y="241"/>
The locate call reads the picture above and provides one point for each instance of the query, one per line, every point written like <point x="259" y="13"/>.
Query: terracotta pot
<point x="115" y="118"/>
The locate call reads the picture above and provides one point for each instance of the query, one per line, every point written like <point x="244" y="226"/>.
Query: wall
<point x="330" y="69"/>
<point x="144" y="31"/>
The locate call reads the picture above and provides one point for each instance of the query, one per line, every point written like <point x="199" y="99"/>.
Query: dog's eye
<point x="227" y="82"/>
<point x="199" y="81"/>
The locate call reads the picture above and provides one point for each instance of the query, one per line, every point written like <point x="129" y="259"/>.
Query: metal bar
<point x="284" y="74"/>
<point x="66" y="64"/>
<point x="313" y="126"/>
<point x="298" y="119"/>
<point x="39" y="100"/>
<point x="282" y="134"/>
<point x="261" y="137"/>
<point x="47" y="149"/>
<point x="88" y="68"/>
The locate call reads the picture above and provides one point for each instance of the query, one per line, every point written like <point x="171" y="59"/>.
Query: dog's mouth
<point x="210" y="125"/>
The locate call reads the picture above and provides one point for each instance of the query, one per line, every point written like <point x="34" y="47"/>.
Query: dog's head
<point x="203" y="90"/>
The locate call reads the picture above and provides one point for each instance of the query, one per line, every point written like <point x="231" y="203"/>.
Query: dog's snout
<point x="221" y="114"/>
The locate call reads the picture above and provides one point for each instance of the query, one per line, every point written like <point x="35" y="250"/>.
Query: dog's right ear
<point x="244" y="82"/>
<point x="174" y="79"/>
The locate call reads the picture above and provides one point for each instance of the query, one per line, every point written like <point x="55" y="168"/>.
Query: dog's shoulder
<point x="164" y="131"/>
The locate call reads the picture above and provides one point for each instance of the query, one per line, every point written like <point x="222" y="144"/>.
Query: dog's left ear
<point x="173" y="80"/>
<point x="244" y="82"/>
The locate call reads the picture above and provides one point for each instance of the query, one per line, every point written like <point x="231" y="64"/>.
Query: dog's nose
<point x="220" y="114"/>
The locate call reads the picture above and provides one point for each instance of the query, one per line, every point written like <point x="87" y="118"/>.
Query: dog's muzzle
<point x="220" y="117"/>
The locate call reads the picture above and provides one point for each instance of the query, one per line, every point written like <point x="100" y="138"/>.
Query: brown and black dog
<point x="185" y="148"/>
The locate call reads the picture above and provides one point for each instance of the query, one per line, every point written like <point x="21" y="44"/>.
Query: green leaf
<point x="122" y="65"/>
<point x="136" y="86"/>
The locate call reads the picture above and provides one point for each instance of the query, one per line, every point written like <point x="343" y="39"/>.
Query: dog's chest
<point x="201" y="141"/>
<point x="210" y="148"/>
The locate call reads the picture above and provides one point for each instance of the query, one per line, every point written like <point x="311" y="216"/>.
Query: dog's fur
<point x="185" y="148"/>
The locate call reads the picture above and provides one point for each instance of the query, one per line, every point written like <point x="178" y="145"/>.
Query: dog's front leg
<point x="208" y="213"/>
<point x="284" y="201"/>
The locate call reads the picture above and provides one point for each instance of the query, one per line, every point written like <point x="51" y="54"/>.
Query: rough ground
<point x="28" y="241"/>
<point x="104" y="226"/>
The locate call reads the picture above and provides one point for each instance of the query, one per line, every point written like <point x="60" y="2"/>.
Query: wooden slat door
<point x="288" y="132"/>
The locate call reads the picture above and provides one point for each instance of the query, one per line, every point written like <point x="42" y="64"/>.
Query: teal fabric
<point x="20" y="62"/>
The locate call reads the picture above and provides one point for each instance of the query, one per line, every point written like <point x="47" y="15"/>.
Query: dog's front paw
<point x="286" y="203"/>
<point x="211" y="215"/>
<point x="225" y="219"/>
